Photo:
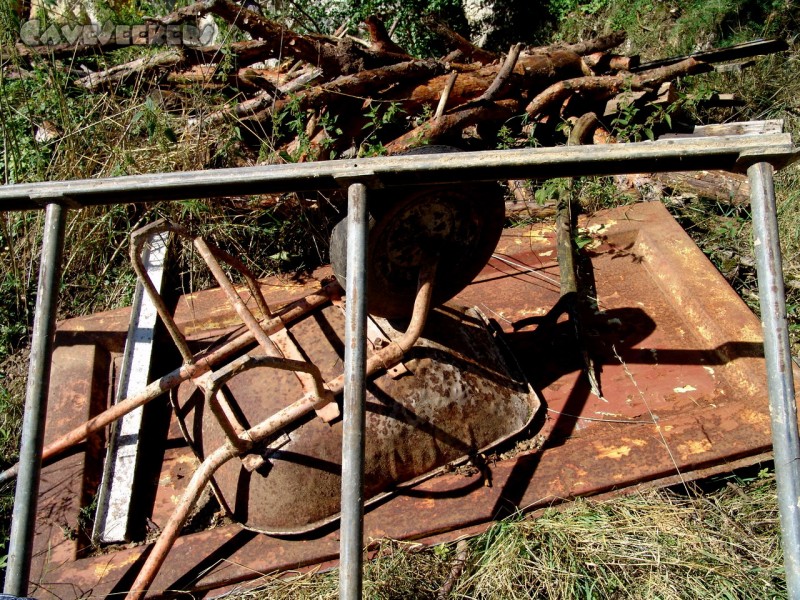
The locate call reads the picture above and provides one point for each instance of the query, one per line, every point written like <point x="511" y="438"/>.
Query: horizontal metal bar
<point x="682" y="154"/>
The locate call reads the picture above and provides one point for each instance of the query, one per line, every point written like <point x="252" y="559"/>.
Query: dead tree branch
<point x="602" y="87"/>
<point x="120" y="73"/>
<point x="459" y="42"/>
<point x="451" y="80"/>
<point x="502" y="75"/>
<point x="598" y="44"/>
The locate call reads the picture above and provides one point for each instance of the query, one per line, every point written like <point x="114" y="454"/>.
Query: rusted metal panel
<point x="682" y="375"/>
<point x="79" y="378"/>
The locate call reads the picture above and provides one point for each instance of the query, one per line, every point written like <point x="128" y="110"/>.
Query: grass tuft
<point x="653" y="544"/>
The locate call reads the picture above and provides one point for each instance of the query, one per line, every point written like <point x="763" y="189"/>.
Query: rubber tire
<point x="391" y="292"/>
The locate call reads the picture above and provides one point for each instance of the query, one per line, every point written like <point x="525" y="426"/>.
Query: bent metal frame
<point x="759" y="155"/>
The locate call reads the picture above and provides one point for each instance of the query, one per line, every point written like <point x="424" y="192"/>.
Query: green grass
<point x="666" y="544"/>
<point x="657" y="29"/>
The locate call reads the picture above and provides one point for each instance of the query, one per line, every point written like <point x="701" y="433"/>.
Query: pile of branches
<point x="349" y="96"/>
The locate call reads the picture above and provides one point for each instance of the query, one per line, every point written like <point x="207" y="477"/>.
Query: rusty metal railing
<point x="759" y="155"/>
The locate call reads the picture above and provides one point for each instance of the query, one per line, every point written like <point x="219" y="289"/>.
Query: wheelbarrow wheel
<point x="456" y="225"/>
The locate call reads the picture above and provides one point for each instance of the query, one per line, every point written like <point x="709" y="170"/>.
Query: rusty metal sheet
<point x="683" y="384"/>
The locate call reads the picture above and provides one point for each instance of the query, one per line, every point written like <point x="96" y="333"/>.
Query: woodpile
<point x="347" y="97"/>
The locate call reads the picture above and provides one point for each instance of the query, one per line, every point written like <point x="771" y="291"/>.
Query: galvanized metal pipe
<point x="780" y="380"/>
<point x="27" y="493"/>
<point x="679" y="154"/>
<point x="354" y="420"/>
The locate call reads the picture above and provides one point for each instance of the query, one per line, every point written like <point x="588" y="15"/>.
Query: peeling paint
<point x="685" y="389"/>
<point x="613" y="452"/>
<point x="694" y="447"/>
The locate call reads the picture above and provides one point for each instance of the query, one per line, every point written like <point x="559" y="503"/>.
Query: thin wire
<point x="525" y="268"/>
<point x="628" y="421"/>
<point x="652" y="416"/>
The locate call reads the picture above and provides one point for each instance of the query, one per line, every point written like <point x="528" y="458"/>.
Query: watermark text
<point x="33" y="33"/>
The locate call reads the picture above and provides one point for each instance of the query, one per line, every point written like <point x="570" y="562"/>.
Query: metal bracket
<point x="42" y="200"/>
<point x="368" y="178"/>
<point x="778" y="160"/>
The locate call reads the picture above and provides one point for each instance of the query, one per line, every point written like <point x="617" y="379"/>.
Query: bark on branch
<point x="602" y="87"/>
<point x="459" y="42"/>
<point x="440" y="130"/>
<point x="120" y="73"/>
<point x="598" y="44"/>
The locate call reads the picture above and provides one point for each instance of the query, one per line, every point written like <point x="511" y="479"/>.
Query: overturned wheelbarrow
<point x="453" y="395"/>
<point x="434" y="398"/>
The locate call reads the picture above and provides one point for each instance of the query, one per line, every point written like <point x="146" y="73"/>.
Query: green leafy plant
<point x="378" y="115"/>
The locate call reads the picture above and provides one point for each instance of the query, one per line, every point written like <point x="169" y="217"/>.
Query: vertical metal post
<point x="780" y="381"/>
<point x="352" y="531"/>
<point x="23" y="519"/>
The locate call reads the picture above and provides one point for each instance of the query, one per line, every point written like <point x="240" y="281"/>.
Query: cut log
<point x="602" y="62"/>
<point x="602" y="87"/>
<point x="446" y="127"/>
<point x="118" y="74"/>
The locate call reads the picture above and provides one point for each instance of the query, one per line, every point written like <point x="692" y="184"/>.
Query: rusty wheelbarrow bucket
<point x="453" y="396"/>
